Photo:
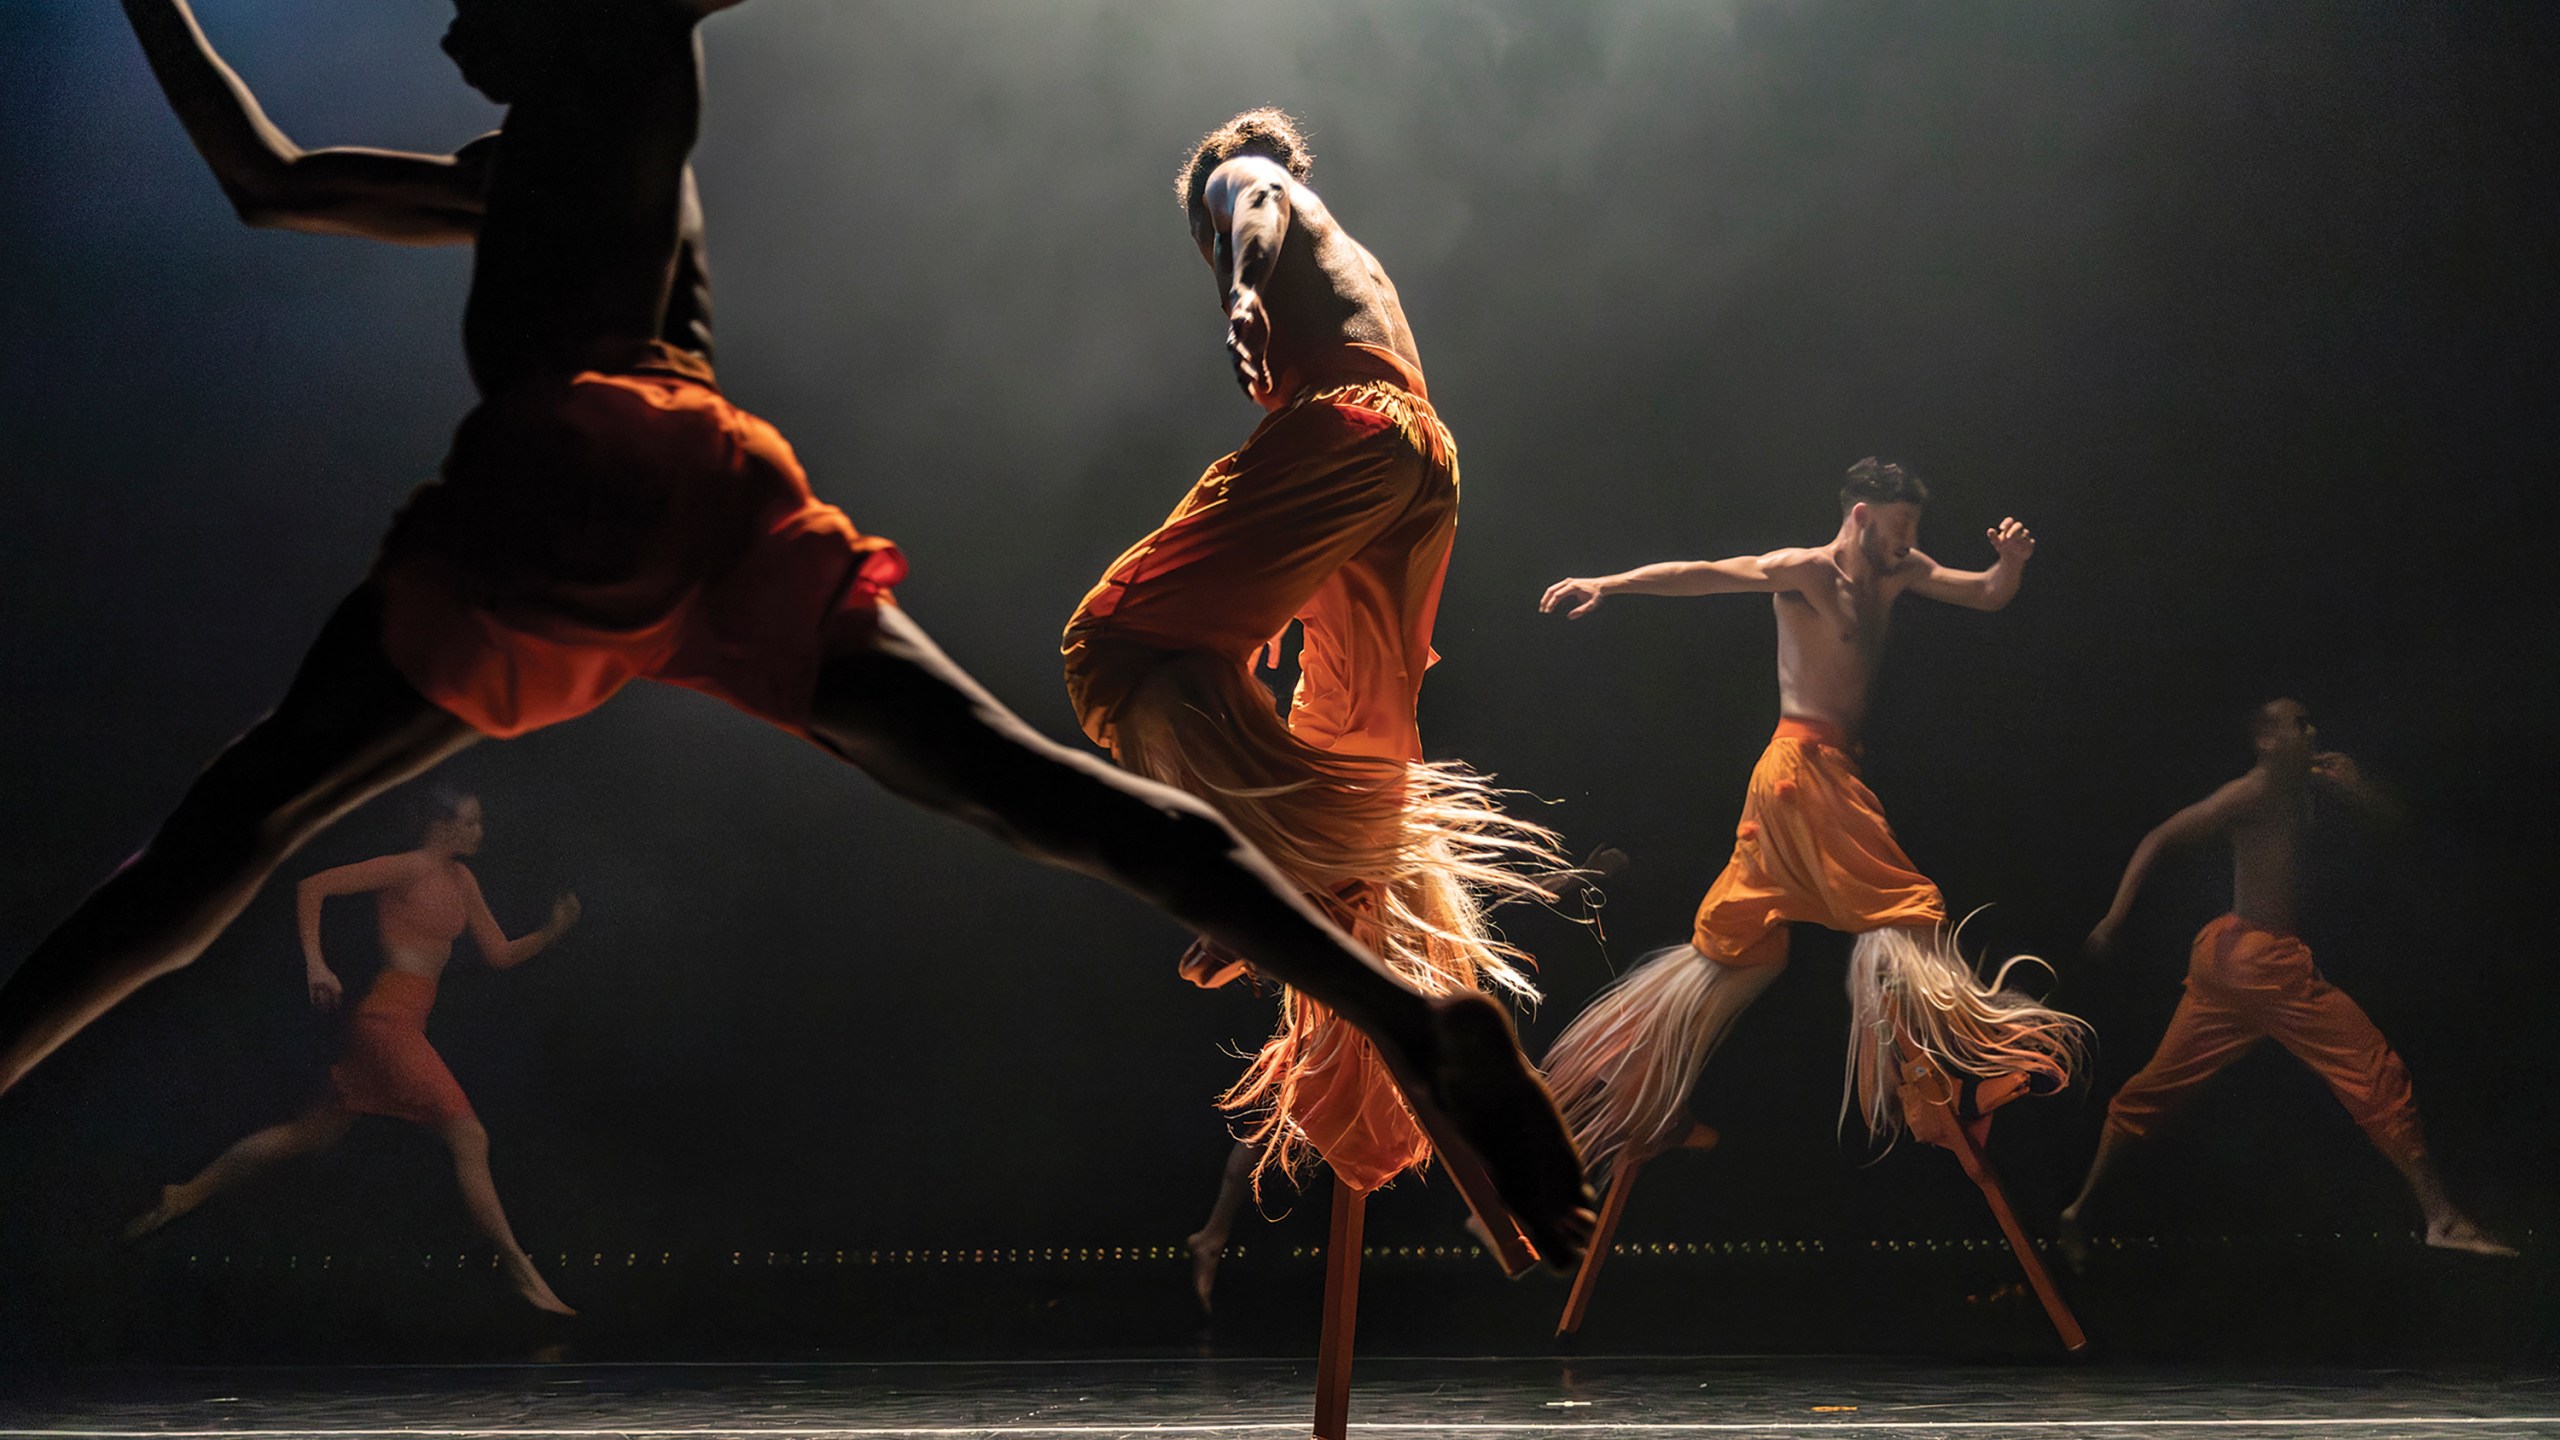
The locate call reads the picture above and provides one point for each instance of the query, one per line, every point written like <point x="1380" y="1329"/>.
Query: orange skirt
<point x="387" y="1066"/>
<point x="626" y="524"/>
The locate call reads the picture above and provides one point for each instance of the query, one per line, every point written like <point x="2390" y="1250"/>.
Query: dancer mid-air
<point x="1338" y="513"/>
<point x="2251" y="979"/>
<point x="424" y="899"/>
<point x="1812" y="846"/>
<point x="607" y="515"/>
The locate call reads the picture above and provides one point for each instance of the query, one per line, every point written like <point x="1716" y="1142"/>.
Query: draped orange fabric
<point x="1813" y="845"/>
<point x="620" y="525"/>
<point x="2246" y="985"/>
<point x="1339" y="512"/>
<point x="387" y="1067"/>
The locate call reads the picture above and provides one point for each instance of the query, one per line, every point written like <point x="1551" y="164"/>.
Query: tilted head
<point x="2282" y="733"/>
<point x="451" y="821"/>
<point x="1880" y="507"/>
<point x="502" y="45"/>
<point x="1269" y="132"/>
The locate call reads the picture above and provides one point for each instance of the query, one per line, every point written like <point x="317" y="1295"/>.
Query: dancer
<point x="2250" y="978"/>
<point x="1338" y="513"/>
<point x="1812" y="846"/>
<point x="607" y="514"/>
<point x="423" y="899"/>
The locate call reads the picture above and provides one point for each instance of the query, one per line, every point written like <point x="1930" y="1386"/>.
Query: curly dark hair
<point x="1881" y="482"/>
<point x="1268" y="131"/>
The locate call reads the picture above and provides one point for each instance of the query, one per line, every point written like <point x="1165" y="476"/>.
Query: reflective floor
<point x="1592" y="1396"/>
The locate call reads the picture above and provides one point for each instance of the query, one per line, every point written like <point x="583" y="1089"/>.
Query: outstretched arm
<point x="2201" y="821"/>
<point x="1980" y="589"/>
<point x="1249" y="210"/>
<point x="375" y="194"/>
<point x="361" y="878"/>
<point x="503" y="953"/>
<point x="1758" y="574"/>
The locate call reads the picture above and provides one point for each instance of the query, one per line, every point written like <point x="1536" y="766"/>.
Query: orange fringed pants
<point x="623" y="524"/>
<point x="1813" y="846"/>
<point x="2245" y="985"/>
<point x="387" y="1066"/>
<point x="1339" y="512"/>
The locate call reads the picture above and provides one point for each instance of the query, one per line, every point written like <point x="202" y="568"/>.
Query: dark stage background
<point x="2247" y="309"/>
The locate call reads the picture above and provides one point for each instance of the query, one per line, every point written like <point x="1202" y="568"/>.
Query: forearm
<point x="2135" y="871"/>
<point x="247" y="152"/>
<point x="306" y="910"/>
<point x="524" y="947"/>
<point x="1672" y="577"/>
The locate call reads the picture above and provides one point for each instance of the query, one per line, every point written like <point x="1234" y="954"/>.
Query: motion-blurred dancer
<point x="1812" y="846"/>
<point x="605" y="515"/>
<point x="2250" y="978"/>
<point x="423" y="900"/>
<point x="1338" y="513"/>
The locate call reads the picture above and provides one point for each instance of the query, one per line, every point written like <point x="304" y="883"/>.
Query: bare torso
<point x="1326" y="290"/>
<point x="421" y="915"/>
<point x="2266" y="849"/>
<point x="1830" y="639"/>
<point x="591" y="243"/>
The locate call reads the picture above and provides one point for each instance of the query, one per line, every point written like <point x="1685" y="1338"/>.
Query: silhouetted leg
<point x="469" y="1142"/>
<point x="1209" y="1242"/>
<point x="900" y="709"/>
<point x="309" y="1133"/>
<point x="349" y="727"/>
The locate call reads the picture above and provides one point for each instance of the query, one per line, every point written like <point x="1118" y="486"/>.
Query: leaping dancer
<point x="424" y="899"/>
<point x="1813" y="846"/>
<point x="605" y="515"/>
<point x="1338" y="513"/>
<point x="2251" y="979"/>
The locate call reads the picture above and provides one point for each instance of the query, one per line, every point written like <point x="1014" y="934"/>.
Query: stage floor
<point x="1584" y="1397"/>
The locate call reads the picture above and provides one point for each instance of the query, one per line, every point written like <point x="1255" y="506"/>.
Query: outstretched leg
<point x="902" y="710"/>
<point x="2205" y="1036"/>
<point x="1209" y="1243"/>
<point x="469" y="1143"/>
<point x="309" y="1133"/>
<point x="350" y="727"/>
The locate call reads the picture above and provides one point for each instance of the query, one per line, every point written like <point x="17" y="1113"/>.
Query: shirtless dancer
<point x="2250" y="978"/>
<point x="424" y="899"/>
<point x="1338" y="513"/>
<point x="606" y="515"/>
<point x="1812" y="846"/>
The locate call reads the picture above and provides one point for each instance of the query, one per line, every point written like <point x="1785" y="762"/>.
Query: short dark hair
<point x="1881" y="482"/>
<point x="1268" y="131"/>
<point x="438" y="803"/>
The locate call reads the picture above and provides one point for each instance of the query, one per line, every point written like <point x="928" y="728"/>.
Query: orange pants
<point x="1339" y="513"/>
<point x="624" y="524"/>
<point x="387" y="1067"/>
<point x="2245" y="985"/>
<point x="1813" y="845"/>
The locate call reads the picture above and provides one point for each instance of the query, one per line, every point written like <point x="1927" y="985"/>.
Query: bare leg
<point x="2447" y="1227"/>
<point x="900" y="709"/>
<point x="469" y="1143"/>
<point x="1209" y="1242"/>
<point x="2072" y="1233"/>
<point x="309" y="1133"/>
<point x="350" y="727"/>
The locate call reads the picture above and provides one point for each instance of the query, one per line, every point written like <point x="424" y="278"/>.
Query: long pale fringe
<point x="1407" y="856"/>
<point x="1621" y="1071"/>
<point x="1917" y="983"/>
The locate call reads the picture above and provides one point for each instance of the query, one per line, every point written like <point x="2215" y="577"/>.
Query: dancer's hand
<point x="2012" y="539"/>
<point x="1249" y="343"/>
<point x="1581" y="595"/>
<point x="564" y="913"/>
<point x="326" y="992"/>
<point x="2333" y="766"/>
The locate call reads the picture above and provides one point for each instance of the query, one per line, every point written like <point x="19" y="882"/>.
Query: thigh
<point x="2204" y="1037"/>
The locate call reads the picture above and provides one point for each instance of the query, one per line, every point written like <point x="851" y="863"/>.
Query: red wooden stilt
<point x="1577" y="1304"/>
<point x="1929" y="1107"/>
<point x="1341" y="1312"/>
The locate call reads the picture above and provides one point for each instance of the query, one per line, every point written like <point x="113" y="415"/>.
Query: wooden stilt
<point x="1578" y="1303"/>
<point x="1341" y="1312"/>
<point x="1929" y="1098"/>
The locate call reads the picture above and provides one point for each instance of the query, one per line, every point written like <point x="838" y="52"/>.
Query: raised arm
<point x="501" y="952"/>
<point x="1980" y="589"/>
<point x="361" y="878"/>
<point x="1249" y="211"/>
<point x="1756" y="574"/>
<point x="272" y="182"/>
<point x="2211" y="816"/>
<point x="2341" y="776"/>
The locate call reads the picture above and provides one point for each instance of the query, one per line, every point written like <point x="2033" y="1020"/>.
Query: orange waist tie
<point x="1817" y="732"/>
<point x="398" y="997"/>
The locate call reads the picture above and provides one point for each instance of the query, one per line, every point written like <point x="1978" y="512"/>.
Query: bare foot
<point x="528" y="1282"/>
<point x="1496" y="1128"/>
<point x="2457" y="1232"/>
<point x="2072" y="1239"/>
<point x="172" y="1205"/>
<point x="1206" y="1250"/>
